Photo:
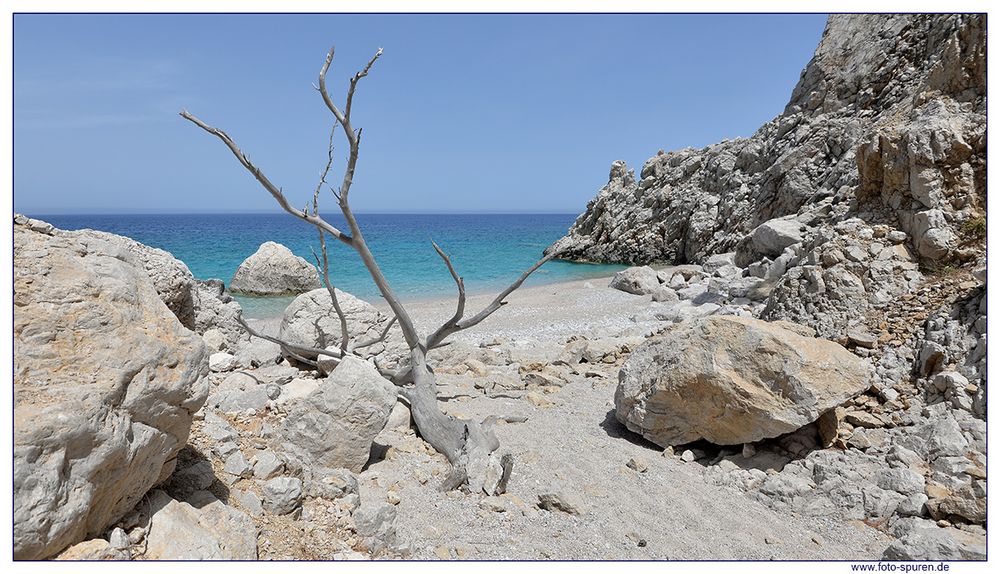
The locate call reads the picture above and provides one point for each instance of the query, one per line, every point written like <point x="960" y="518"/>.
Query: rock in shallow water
<point x="274" y="270"/>
<point x="732" y="380"/>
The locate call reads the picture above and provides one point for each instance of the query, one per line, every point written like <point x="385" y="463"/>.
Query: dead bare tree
<point x="469" y="446"/>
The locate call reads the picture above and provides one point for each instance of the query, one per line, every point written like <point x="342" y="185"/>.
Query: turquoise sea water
<point x="489" y="250"/>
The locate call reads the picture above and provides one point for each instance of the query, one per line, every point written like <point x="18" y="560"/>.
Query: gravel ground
<point x="578" y="449"/>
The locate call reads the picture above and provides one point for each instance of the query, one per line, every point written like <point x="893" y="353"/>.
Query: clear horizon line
<point x="273" y="212"/>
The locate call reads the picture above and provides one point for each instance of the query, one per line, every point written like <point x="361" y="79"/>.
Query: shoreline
<point x="481" y="295"/>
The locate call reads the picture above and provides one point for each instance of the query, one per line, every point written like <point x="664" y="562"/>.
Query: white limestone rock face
<point x="732" y="380"/>
<point x="274" y="270"/>
<point x="334" y="426"/>
<point x="907" y="142"/>
<point x="106" y="380"/>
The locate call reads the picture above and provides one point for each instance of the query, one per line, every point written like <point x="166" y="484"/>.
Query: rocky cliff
<point x="887" y="123"/>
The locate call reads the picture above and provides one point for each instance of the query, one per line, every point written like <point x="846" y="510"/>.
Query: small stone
<point x="896" y="236"/>
<point x="862" y="339"/>
<point x="221" y="362"/>
<point x="561" y="501"/>
<point x="687" y="456"/>
<point x="638" y="465"/>
<point x="493" y="504"/>
<point x="771" y="540"/>
<point x="749" y="450"/>
<point x="669" y="451"/>
<point x="864" y="420"/>
<point x="282" y="495"/>
<point x="539" y="400"/>
<point x="237" y="465"/>
<point x="392" y="497"/>
<point x="267" y="465"/>
<point x="816" y="538"/>
<point x="118" y="539"/>
<point x="250" y="502"/>
<point x="273" y="390"/>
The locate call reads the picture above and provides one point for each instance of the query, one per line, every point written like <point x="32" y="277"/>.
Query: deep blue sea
<point x="489" y="250"/>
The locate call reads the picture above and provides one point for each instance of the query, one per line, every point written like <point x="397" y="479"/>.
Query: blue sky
<point x="463" y="113"/>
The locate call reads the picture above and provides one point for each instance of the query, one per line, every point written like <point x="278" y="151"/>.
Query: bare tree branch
<point x="275" y="192"/>
<point x="354" y="83"/>
<point x="357" y="237"/>
<point x="438" y="337"/>
<point x="326" y="170"/>
<point x="468" y="445"/>
<point x="439" y="334"/>
<point x="296" y="350"/>
<point x="345" y="335"/>
<point x="378" y="339"/>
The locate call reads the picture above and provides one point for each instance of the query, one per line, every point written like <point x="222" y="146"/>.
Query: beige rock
<point x="200" y="528"/>
<point x="733" y="380"/>
<point x="106" y="380"/>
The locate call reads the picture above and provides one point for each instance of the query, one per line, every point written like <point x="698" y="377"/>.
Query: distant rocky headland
<point x="794" y="368"/>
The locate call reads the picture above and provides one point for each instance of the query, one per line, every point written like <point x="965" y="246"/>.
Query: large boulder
<point x="171" y="278"/>
<point x="770" y="239"/>
<point x="334" y="426"/>
<point x="199" y="528"/>
<point x="636" y="280"/>
<point x="311" y="321"/>
<point x="106" y="381"/>
<point x="274" y="270"/>
<point x="732" y="380"/>
<point x="215" y="309"/>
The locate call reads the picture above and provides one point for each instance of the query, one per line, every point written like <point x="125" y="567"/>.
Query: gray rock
<point x="215" y="310"/>
<point x="171" y="278"/>
<point x="274" y="270"/>
<point x="862" y="339"/>
<point x="399" y="417"/>
<point x="913" y="505"/>
<point x="237" y="465"/>
<point x="276" y="374"/>
<point x="310" y="321"/>
<point x="237" y="393"/>
<point x="664" y="294"/>
<point x="296" y="389"/>
<point x="334" y="425"/>
<point x="250" y="502"/>
<point x="770" y="239"/>
<point x="375" y="523"/>
<point x="257" y="352"/>
<point x="221" y="362"/>
<point x="925" y="544"/>
<point x="330" y="484"/>
<point x="561" y="501"/>
<point x="200" y="528"/>
<point x="267" y="465"/>
<point x="282" y="495"/>
<point x="106" y="381"/>
<point x="636" y="280"/>
<point x="901" y="480"/>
